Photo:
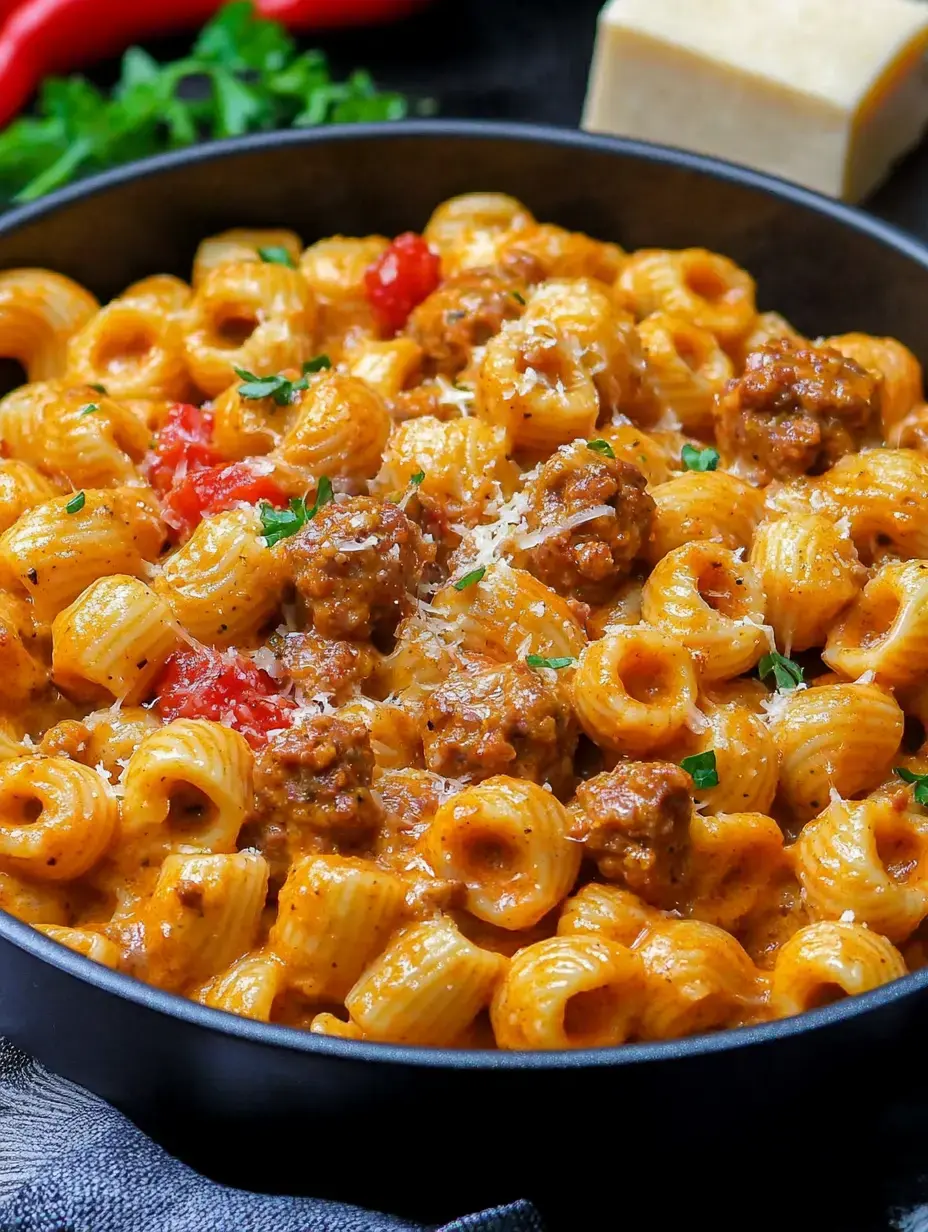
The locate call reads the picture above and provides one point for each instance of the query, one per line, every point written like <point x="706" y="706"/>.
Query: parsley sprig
<point x="536" y="660"/>
<point x="601" y="446"/>
<point x="280" y="524"/>
<point x="470" y="579"/>
<point x="920" y="781"/>
<point x="278" y="387"/>
<point x="787" y="673"/>
<point x="244" y="74"/>
<point x="702" y="769"/>
<point x="276" y="256"/>
<point x="699" y="459"/>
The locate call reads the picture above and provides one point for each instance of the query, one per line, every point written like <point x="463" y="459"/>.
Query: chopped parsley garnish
<point x="534" y="660"/>
<point x="786" y="673"/>
<point x="324" y="496"/>
<point x="603" y="447"/>
<point x="243" y="74"/>
<point x="101" y="389"/>
<point x="702" y="769"/>
<point x="277" y="387"/>
<point x="280" y="524"/>
<point x="518" y="297"/>
<point x="319" y="363"/>
<point x="920" y="780"/>
<point x="89" y="408"/>
<point x="76" y="503"/>
<point x="699" y="459"/>
<point x="276" y="256"/>
<point x="417" y="478"/>
<point x="470" y="579"/>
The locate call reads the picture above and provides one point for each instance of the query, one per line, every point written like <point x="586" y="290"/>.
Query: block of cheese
<point x="829" y="93"/>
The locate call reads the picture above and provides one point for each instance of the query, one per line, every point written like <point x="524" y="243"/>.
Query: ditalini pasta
<point x="480" y="638"/>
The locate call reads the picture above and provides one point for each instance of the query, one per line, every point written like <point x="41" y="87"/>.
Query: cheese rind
<point x="828" y="93"/>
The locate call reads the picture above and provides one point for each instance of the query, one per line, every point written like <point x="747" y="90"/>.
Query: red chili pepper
<point x="181" y="445"/>
<point x="223" y="686"/>
<point x="401" y="277"/>
<point x="39" y="37"/>
<point x="319" y="14"/>
<point x="204" y="492"/>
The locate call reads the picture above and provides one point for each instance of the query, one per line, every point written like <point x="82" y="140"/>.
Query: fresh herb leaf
<point x="320" y="363"/>
<point x="535" y="660"/>
<point x="470" y="579"/>
<point x="786" y="673"/>
<point x="699" y="459"/>
<point x="603" y="447"/>
<point x="89" y="408"/>
<point x="244" y="74"/>
<point x="76" y="503"/>
<point x="324" y="496"/>
<point x="276" y="256"/>
<point x="282" y="523"/>
<point x="238" y="39"/>
<point x="417" y="478"/>
<point x="101" y="389"/>
<point x="702" y="769"/>
<point x="519" y="298"/>
<point x="920" y="780"/>
<point x="277" y="387"/>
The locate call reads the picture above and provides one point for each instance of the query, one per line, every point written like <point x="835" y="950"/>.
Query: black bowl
<point x="431" y="1132"/>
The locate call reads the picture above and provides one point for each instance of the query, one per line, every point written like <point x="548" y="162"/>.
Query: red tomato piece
<point x="401" y="277"/>
<point x="226" y="687"/>
<point x="182" y="444"/>
<point x="204" y="492"/>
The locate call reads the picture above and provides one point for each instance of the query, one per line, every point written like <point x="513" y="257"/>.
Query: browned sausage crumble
<point x="587" y="561"/>
<point x="795" y="410"/>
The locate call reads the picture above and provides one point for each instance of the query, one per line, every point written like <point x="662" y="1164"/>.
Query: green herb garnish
<point x="786" y="673"/>
<point x="702" y="769"/>
<point x="699" y="459"/>
<point x="324" y="496"/>
<point x="280" y="524"/>
<point x="277" y="387"/>
<point x="89" y="409"/>
<point x="470" y="579"/>
<point x="920" y="780"/>
<point x="76" y="503"/>
<point x="101" y="389"/>
<point x="603" y="447"/>
<point x="243" y="74"/>
<point x="276" y="256"/>
<point x="417" y="478"/>
<point x="534" y="660"/>
<point x="519" y="298"/>
<point x="319" y="363"/>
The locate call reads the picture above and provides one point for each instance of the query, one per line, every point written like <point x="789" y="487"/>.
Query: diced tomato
<point x="223" y="686"/>
<point x="182" y="445"/>
<point x="202" y="493"/>
<point x="401" y="277"/>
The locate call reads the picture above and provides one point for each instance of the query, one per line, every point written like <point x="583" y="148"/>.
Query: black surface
<point x="791" y="1124"/>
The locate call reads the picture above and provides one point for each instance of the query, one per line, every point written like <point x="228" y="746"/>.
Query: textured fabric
<point x="71" y="1163"/>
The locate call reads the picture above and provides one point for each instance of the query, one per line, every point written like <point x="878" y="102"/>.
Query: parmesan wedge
<point x="828" y="93"/>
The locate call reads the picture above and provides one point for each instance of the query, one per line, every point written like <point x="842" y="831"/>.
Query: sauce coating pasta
<point x="481" y="638"/>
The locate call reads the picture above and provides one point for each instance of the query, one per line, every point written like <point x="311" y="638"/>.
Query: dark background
<point x="851" y="1169"/>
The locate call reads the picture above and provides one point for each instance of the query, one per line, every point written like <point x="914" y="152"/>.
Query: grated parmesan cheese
<point x="569" y="523"/>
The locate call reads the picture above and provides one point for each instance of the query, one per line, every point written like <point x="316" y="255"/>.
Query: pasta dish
<point x="481" y="638"/>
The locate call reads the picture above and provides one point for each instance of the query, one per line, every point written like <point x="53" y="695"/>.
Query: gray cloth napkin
<point x="71" y="1163"/>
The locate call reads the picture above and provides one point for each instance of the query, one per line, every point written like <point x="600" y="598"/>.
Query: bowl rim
<point x="39" y="946"/>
